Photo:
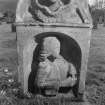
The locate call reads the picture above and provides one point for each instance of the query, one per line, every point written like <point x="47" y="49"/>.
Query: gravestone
<point x="37" y="19"/>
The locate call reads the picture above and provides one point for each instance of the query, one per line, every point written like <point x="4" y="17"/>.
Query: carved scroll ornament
<point x="32" y="8"/>
<point x="53" y="11"/>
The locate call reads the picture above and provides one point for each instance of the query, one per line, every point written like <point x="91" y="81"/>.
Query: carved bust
<point x="53" y="70"/>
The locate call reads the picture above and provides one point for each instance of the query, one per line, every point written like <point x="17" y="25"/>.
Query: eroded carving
<point x="54" y="71"/>
<point x="53" y="11"/>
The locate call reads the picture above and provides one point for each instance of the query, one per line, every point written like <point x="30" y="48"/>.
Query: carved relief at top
<point x="53" y="11"/>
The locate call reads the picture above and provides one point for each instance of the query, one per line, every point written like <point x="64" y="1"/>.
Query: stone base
<point x="59" y="100"/>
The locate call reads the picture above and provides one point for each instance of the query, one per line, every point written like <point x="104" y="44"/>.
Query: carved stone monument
<point x="53" y="41"/>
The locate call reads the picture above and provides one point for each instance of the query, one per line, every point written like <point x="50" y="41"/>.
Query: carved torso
<point x="53" y="68"/>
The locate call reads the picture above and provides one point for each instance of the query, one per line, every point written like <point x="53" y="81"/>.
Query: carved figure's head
<point x="51" y="46"/>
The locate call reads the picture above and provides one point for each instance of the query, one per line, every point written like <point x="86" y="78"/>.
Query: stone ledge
<point x="75" y="25"/>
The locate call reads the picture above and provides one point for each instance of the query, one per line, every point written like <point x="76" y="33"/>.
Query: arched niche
<point x="70" y="50"/>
